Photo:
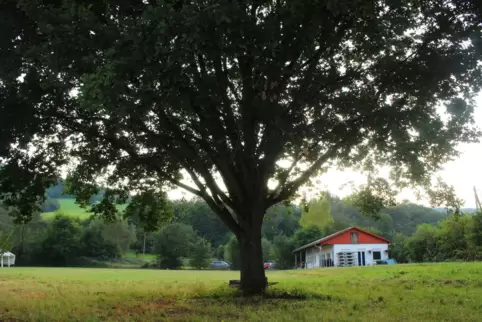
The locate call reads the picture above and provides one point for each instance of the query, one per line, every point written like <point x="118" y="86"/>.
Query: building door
<point x="361" y="259"/>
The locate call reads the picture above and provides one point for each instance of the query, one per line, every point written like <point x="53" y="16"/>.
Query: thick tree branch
<point x="248" y="120"/>
<point x="284" y="175"/>
<point x="232" y="129"/>
<point x="216" y="204"/>
<point x="119" y="144"/>
<point x="290" y="188"/>
<point x="222" y="165"/>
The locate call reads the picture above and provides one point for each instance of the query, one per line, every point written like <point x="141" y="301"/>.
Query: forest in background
<point x="195" y="235"/>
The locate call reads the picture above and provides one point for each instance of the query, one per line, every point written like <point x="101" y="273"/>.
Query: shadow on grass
<point x="225" y="294"/>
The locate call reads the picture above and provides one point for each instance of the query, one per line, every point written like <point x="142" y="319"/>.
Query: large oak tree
<point x="142" y="92"/>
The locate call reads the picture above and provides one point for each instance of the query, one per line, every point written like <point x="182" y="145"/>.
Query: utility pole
<point x="478" y="206"/>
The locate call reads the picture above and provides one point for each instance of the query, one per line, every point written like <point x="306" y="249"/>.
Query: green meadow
<point x="70" y="208"/>
<point x="431" y="292"/>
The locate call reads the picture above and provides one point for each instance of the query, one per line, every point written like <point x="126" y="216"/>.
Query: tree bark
<point x="19" y="259"/>
<point x="253" y="278"/>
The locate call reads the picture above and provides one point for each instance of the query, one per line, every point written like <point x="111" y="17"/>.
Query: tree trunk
<point x="253" y="278"/>
<point x="19" y="259"/>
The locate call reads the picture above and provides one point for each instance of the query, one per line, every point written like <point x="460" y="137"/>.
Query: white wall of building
<point x="368" y="249"/>
<point x="314" y="255"/>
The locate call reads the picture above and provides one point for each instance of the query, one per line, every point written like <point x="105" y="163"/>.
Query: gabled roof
<point x="7" y="254"/>
<point x="324" y="240"/>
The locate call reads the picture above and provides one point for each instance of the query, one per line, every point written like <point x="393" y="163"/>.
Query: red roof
<point x="343" y="237"/>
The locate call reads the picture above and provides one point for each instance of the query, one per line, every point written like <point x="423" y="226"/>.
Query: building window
<point x="354" y="237"/>
<point x="377" y="255"/>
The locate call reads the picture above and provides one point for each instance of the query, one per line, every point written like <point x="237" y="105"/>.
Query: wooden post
<point x="144" y="246"/>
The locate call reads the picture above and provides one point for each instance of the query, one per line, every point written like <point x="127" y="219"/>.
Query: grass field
<point x="437" y="292"/>
<point x="70" y="208"/>
<point x="145" y="256"/>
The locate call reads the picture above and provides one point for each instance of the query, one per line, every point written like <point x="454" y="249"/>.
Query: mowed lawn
<point x="432" y="292"/>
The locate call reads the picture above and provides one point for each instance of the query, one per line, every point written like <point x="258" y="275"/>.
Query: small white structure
<point x="349" y="247"/>
<point x="7" y="259"/>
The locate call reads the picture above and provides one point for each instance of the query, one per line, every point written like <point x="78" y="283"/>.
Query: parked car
<point x="270" y="265"/>
<point x="220" y="265"/>
<point x="386" y="262"/>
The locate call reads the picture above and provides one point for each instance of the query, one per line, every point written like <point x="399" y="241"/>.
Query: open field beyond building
<point x="70" y="208"/>
<point x="435" y="292"/>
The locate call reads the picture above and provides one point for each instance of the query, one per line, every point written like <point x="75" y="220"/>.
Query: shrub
<point x="201" y="252"/>
<point x="232" y="252"/>
<point x="173" y="242"/>
<point x="62" y="243"/>
<point x="94" y="244"/>
<point x="50" y="205"/>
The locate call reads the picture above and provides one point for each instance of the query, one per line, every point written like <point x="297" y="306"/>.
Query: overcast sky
<point x="466" y="172"/>
<point x="463" y="173"/>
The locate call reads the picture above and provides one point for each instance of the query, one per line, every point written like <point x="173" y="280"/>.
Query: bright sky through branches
<point x="463" y="173"/>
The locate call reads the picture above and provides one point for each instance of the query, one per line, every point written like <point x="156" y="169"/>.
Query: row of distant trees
<point x="195" y="233"/>
<point x="68" y="241"/>
<point x="458" y="237"/>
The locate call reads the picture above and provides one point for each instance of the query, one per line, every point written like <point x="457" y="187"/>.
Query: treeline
<point x="67" y="241"/>
<point x="195" y="235"/>
<point x="456" y="238"/>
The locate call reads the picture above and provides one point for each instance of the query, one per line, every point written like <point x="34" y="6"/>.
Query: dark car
<point x="220" y="265"/>
<point x="386" y="262"/>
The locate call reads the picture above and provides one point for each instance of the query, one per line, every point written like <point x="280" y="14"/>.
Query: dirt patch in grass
<point x="9" y="319"/>
<point x="455" y="282"/>
<point x="158" y="307"/>
<point x="297" y="295"/>
<point x="34" y="296"/>
<point x="441" y="282"/>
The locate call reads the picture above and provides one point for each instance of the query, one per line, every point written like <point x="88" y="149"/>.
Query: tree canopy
<point x="135" y="95"/>
<point x="317" y="213"/>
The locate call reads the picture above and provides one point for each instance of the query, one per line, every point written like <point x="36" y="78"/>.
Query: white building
<point x="348" y="247"/>
<point x="6" y="259"/>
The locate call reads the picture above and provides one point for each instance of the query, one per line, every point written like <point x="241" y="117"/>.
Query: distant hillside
<point x="403" y="218"/>
<point x="58" y="201"/>
<point x="70" y="208"/>
<point x="464" y="210"/>
<point x="57" y="192"/>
